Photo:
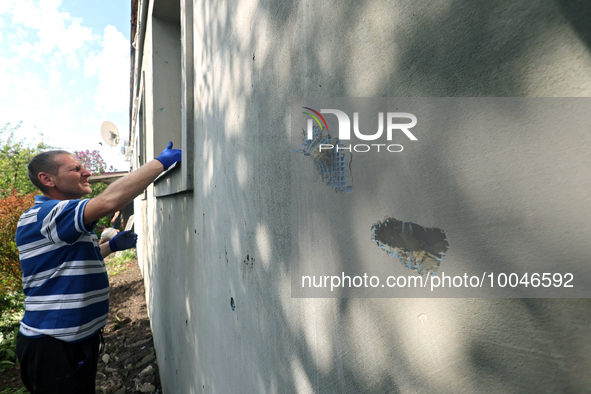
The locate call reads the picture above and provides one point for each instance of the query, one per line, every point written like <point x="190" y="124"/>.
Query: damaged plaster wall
<point x="216" y="260"/>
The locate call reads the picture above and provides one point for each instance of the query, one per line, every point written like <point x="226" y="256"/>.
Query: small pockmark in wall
<point x="249" y="261"/>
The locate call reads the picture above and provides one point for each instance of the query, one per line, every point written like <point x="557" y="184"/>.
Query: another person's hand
<point x="123" y="240"/>
<point x="169" y="156"/>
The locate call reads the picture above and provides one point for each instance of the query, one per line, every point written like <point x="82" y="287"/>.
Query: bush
<point x="12" y="310"/>
<point x="14" y="156"/>
<point x="8" y="351"/>
<point x="11" y="208"/>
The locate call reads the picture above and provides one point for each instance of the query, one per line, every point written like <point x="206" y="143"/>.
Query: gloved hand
<point x="123" y="240"/>
<point x="169" y="156"/>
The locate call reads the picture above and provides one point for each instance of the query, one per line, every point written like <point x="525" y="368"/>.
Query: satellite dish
<point x="110" y="133"/>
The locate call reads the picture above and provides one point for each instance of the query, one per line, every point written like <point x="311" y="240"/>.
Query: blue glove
<point x="123" y="240"/>
<point x="169" y="156"/>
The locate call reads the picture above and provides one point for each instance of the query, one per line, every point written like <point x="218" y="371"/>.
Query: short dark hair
<point x="44" y="162"/>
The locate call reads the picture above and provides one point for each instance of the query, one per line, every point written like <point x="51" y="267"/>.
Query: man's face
<point x="72" y="178"/>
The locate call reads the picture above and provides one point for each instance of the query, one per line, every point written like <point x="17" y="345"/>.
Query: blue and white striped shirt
<point x="64" y="275"/>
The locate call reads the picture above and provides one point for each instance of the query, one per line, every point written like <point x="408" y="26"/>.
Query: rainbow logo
<point x="315" y="117"/>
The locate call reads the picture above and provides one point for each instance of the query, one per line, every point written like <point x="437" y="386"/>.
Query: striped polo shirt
<point x="64" y="276"/>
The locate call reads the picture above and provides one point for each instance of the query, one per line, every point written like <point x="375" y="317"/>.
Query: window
<point x="172" y="78"/>
<point x="140" y="147"/>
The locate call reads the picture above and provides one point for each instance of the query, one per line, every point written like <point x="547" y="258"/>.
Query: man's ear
<point x="46" y="179"/>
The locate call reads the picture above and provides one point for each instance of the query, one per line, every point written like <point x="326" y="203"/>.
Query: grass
<point x="118" y="262"/>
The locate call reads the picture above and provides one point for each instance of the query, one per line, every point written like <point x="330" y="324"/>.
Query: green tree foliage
<point x="14" y="157"/>
<point x="96" y="165"/>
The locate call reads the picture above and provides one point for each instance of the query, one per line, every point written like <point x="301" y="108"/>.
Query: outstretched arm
<point x="123" y="191"/>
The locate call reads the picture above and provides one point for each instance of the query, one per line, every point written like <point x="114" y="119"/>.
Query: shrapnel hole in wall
<point x="418" y="248"/>
<point x="331" y="163"/>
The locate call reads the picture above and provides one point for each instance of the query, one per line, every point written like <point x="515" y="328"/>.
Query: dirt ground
<point x="131" y="366"/>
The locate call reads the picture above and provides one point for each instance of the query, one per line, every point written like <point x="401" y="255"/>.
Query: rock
<point x="121" y="358"/>
<point x="109" y="387"/>
<point x="145" y="388"/>
<point x="147" y="371"/>
<point x="140" y="343"/>
<point x="122" y="319"/>
<point x="106" y="358"/>
<point x="120" y="391"/>
<point x="149" y="358"/>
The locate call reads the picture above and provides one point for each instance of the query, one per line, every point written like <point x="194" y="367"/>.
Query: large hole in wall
<point x="418" y="248"/>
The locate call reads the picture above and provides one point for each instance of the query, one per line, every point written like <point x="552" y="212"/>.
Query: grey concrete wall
<point x="229" y="238"/>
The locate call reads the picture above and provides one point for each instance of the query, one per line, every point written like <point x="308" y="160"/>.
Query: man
<point x="116" y="220"/>
<point x="64" y="275"/>
<point x="107" y="235"/>
<point x="99" y="229"/>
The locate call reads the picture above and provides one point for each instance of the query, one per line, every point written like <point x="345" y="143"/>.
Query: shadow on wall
<point x="254" y="62"/>
<point x="578" y="14"/>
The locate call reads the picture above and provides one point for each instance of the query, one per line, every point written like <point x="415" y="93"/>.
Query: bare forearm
<point x="105" y="249"/>
<point x="122" y="192"/>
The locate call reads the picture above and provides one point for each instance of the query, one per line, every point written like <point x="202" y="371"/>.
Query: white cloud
<point x="30" y="91"/>
<point x="23" y="50"/>
<point x="1" y="26"/>
<point x="73" y="62"/>
<point x="91" y="65"/>
<point x="58" y="58"/>
<point x="5" y="65"/>
<point x="55" y="29"/>
<point x="43" y="83"/>
<point x="89" y="121"/>
<point x="112" y="68"/>
<point x="54" y="78"/>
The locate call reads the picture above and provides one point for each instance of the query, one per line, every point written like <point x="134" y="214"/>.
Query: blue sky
<point x="64" y="69"/>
